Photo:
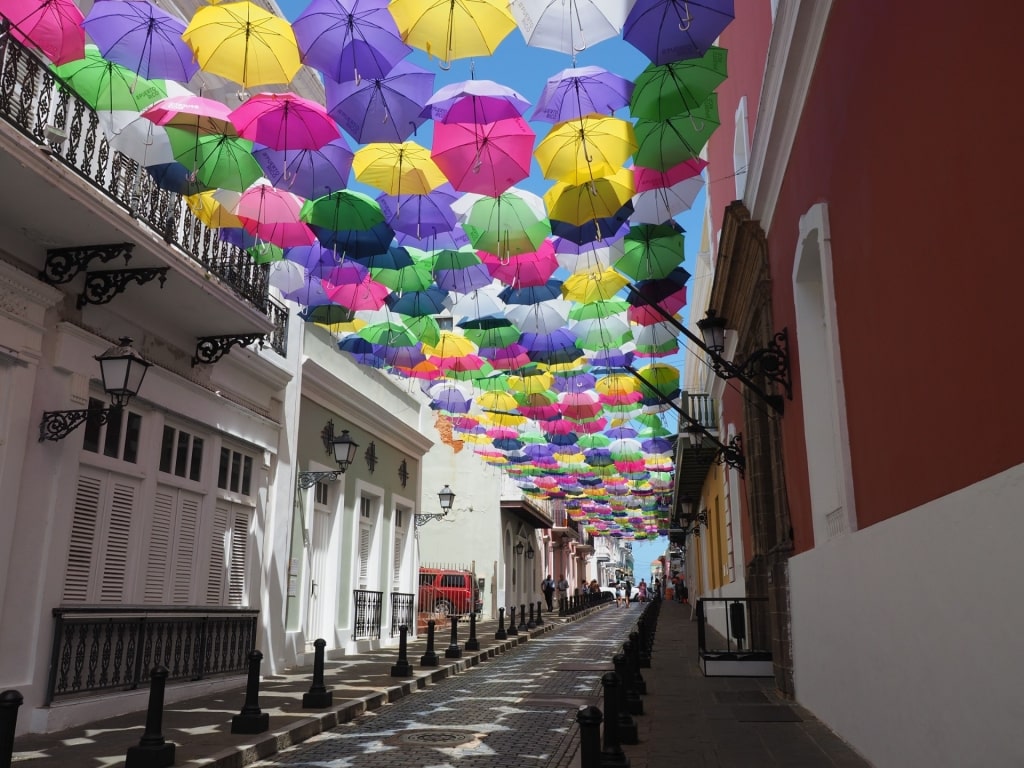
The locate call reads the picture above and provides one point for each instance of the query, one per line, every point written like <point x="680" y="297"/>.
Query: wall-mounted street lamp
<point x="529" y="552"/>
<point x="519" y="548"/>
<point x="342" y="448"/>
<point x="446" y="497"/>
<point x="730" y="453"/>
<point x="772" y="361"/>
<point x="122" y="370"/>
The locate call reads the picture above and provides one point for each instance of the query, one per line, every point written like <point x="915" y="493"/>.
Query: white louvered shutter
<point x="116" y="541"/>
<point x="158" y="551"/>
<point x="396" y="567"/>
<point x="364" y="553"/>
<point x="218" y="555"/>
<point x="81" y="551"/>
<point x="185" y="547"/>
<point x="239" y="546"/>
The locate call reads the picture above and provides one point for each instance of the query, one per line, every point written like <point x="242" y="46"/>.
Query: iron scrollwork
<point x="56" y="425"/>
<point x="62" y="264"/>
<point x="102" y="286"/>
<point x="771" y="361"/>
<point x="210" y="349"/>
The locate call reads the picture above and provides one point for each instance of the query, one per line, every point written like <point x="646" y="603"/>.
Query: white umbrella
<point x="542" y="317"/>
<point x="480" y="303"/>
<point x="658" y="205"/>
<point x="569" y="27"/>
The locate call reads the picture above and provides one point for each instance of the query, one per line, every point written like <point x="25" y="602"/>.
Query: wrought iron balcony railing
<point x="47" y="111"/>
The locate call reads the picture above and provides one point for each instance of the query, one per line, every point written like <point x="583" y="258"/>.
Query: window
<point x="118" y="438"/>
<point x="181" y="454"/>
<point x="235" y="472"/>
<point x="364" y="507"/>
<point x="741" y="149"/>
<point x="320" y="493"/>
<point x="444" y="322"/>
<point x="228" y="562"/>
<point x="399" y="515"/>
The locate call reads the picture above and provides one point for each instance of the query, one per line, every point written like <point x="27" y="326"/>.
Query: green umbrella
<point x="390" y="333"/>
<point x="341" y="210"/>
<point x="415" y="277"/>
<point x="651" y="251"/>
<point x="490" y="331"/>
<point x="215" y="159"/>
<point x="448" y="258"/>
<point x="665" y="91"/>
<point x="598" y="309"/>
<point x="264" y="253"/>
<point x="507" y="225"/>
<point x="662" y="144"/>
<point x="424" y="328"/>
<point x="497" y="381"/>
<point x="601" y="333"/>
<point x="106" y="86"/>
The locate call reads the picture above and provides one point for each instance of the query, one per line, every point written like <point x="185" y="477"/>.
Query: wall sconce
<point x="529" y="552"/>
<point x="730" y="453"/>
<point x="446" y="497"/>
<point x="342" y="448"/>
<point x="772" y="361"/>
<point x="122" y="370"/>
<point x="518" y="548"/>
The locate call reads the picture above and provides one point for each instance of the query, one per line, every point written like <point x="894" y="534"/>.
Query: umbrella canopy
<point x="106" y="86"/>
<point x="344" y="209"/>
<point x="51" y="26"/>
<point x="665" y="90"/>
<point x="486" y="158"/>
<point x="136" y="137"/>
<point x="585" y="149"/>
<point x="284" y="121"/>
<point x="670" y="30"/>
<point x="243" y="43"/>
<point x="651" y="300"/>
<point x="604" y="229"/>
<point x="575" y="92"/>
<point x="217" y="161"/>
<point x="453" y="29"/>
<point x="597" y="199"/>
<point x="586" y="287"/>
<point x="568" y="27"/>
<point x="507" y="225"/>
<point x="209" y="211"/>
<point x="349" y="39"/>
<point x="460" y="271"/>
<point x="309" y="173"/>
<point x="381" y="109"/>
<point x="475" y="101"/>
<point x="142" y="37"/>
<point x="524" y="270"/>
<point x="652" y="250"/>
<point x="273" y="215"/>
<point x="397" y="169"/>
<point x="419" y="214"/>
<point x="660" y="196"/>
<point x="430" y="301"/>
<point x="365" y="294"/>
<point x="665" y="143"/>
<point x="191" y="112"/>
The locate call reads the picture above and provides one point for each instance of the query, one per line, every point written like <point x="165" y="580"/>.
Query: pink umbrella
<point x="366" y="294"/>
<point x="50" y="26"/>
<point x="273" y="215"/>
<point x="660" y="195"/>
<point x="196" y="113"/>
<point x="486" y="158"/>
<point x="285" y="121"/>
<point x="525" y="269"/>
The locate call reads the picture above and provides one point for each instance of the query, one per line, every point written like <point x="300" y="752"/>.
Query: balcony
<point x="692" y="466"/>
<point x="68" y="193"/>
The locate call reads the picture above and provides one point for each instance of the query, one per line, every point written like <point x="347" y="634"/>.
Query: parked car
<point x="449" y="592"/>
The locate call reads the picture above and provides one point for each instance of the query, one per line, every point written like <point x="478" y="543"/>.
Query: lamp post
<point x="343" y="448"/>
<point x="122" y="370"/>
<point x="446" y="497"/>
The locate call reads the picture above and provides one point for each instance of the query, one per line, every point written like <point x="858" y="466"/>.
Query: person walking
<point x="548" y="588"/>
<point x="562" y="585"/>
<point x="641" y="591"/>
<point x="629" y="592"/>
<point x="619" y="594"/>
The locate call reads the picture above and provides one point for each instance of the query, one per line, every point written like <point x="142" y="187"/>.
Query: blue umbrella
<point x="432" y="301"/>
<point x="595" y="229"/>
<point x="308" y="173"/>
<point x="532" y="294"/>
<point x="357" y="243"/>
<point x="385" y="109"/>
<point x="670" y="30"/>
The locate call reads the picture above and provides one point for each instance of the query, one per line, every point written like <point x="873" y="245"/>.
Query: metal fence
<point x="403" y="611"/>
<point x="368" y="609"/>
<point x="733" y="625"/>
<point x="103" y="648"/>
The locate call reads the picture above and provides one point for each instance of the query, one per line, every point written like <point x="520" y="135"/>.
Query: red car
<point x="448" y="592"/>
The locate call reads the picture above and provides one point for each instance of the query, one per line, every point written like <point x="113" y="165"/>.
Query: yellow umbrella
<point x="397" y="169"/>
<point x="210" y="211"/>
<point x="586" y="287"/>
<point x="453" y="29"/>
<point x="497" y="401"/>
<point x="244" y="43"/>
<point x="502" y="420"/>
<point x="597" y="199"/>
<point x="617" y="384"/>
<point x="531" y="385"/>
<point x="450" y="345"/>
<point x="588" y="148"/>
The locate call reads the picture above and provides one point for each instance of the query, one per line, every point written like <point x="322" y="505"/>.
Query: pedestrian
<point x="548" y="588"/>
<point x="562" y="585"/>
<point x="629" y="592"/>
<point x="641" y="591"/>
<point x="657" y="588"/>
<point x="619" y="594"/>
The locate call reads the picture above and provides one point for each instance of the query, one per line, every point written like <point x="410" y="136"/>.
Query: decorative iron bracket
<point x="423" y="519"/>
<point x="56" y="425"/>
<point x="210" y="349"/>
<point x="102" y="286"/>
<point x="309" y="479"/>
<point x="62" y="264"/>
<point x="403" y="472"/>
<point x="772" y="362"/>
<point x="731" y="454"/>
<point x="371" y="456"/>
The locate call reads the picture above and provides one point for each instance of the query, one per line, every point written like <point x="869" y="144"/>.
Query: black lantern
<point x="519" y="548"/>
<point x="447" y="498"/>
<point x="529" y="552"/>
<point x="344" y="450"/>
<point x="712" y="328"/>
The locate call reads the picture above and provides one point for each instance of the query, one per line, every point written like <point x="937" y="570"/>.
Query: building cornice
<point x="792" y="55"/>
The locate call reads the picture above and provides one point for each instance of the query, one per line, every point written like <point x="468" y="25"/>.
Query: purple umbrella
<point x="593" y="230"/>
<point x="312" y="256"/>
<point x="669" y="30"/>
<point x="611" y="358"/>
<point x="349" y="39"/>
<point x="577" y="382"/>
<point x="384" y="109"/>
<point x="420" y="214"/>
<point x="463" y="280"/>
<point x="563" y="245"/>
<point x="558" y="340"/>
<point x="308" y="173"/>
<point x="475" y="101"/>
<point x="141" y="37"/>
<point x="580" y="91"/>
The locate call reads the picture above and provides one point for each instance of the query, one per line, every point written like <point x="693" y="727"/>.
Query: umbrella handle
<point x="684" y="24"/>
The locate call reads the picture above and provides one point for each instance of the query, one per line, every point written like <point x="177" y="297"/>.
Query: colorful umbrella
<point x="662" y="144"/>
<point x="397" y="169"/>
<point x="142" y="37"/>
<point x="652" y="250"/>
<point x="284" y="121"/>
<point x="666" y="90"/>
<point x="509" y="224"/>
<point x="217" y="161"/>
<point x="595" y="230"/>
<point x="670" y="30"/>
<point x="486" y="158"/>
<point x="191" y="112"/>
<point x="382" y="109"/>
<point x="418" y="214"/>
<point x="106" y="86"/>
<point x="136" y="137"/>
<point x="243" y="43"/>
<point x="652" y="300"/>
<point x="366" y="294"/>
<point x="585" y="287"/>
<point x="309" y="173"/>
<point x="578" y="151"/>
<point x="475" y="101"/>
<point x="660" y="196"/>
<point x="273" y="215"/>
<point x="344" y="209"/>
<point x="453" y="29"/>
<point x="209" y="211"/>
<point x="349" y="39"/>
<point x="460" y="271"/>
<point x="429" y="301"/>
<point x="597" y="199"/>
<point x="569" y="27"/>
<point x="50" y="26"/>
<point x="573" y="93"/>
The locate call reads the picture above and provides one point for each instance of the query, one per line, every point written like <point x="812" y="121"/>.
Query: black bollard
<point x="251" y="719"/>
<point x="628" y="732"/>
<point x="540" y="615"/>
<point x="453" y="651"/>
<point x="512" y="621"/>
<point x="152" y="750"/>
<point x="612" y="755"/>
<point x="589" y="720"/>
<point x="429" y="659"/>
<point x="402" y="667"/>
<point x="638" y="679"/>
<point x="634" y="704"/>
<point x="522" y="617"/>
<point x="645" y="642"/>
<point x="9" y="703"/>
<point x="472" y="644"/>
<point x="318" y="696"/>
<point x="501" y="634"/>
